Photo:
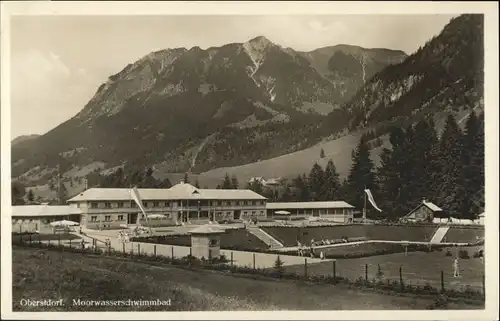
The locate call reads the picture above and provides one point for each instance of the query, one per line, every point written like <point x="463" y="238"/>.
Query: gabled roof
<point x="182" y="191"/>
<point x="433" y="207"/>
<point x="307" y="205"/>
<point x="44" y="210"/>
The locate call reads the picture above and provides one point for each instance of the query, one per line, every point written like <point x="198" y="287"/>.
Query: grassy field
<point x="42" y="274"/>
<point x="417" y="268"/>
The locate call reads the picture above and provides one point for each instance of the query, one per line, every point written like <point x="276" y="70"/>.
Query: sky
<point x="58" y="62"/>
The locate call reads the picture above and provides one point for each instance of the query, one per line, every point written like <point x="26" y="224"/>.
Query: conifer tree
<point x="226" y="184"/>
<point x="316" y="182"/>
<point x="389" y="173"/>
<point x="361" y="175"/>
<point x="234" y="182"/>
<point x="451" y="189"/>
<point x="331" y="185"/>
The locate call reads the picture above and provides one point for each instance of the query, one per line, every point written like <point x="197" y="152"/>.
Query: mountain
<point x="193" y="110"/>
<point x="23" y="138"/>
<point x="243" y="108"/>
<point x="349" y="67"/>
<point x="444" y="76"/>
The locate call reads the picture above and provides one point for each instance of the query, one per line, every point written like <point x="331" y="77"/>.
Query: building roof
<point x="432" y="206"/>
<point x="182" y="191"/>
<point x="44" y="210"/>
<point x="207" y="229"/>
<point x="307" y="205"/>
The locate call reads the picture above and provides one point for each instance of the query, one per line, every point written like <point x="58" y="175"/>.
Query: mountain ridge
<point x="161" y="122"/>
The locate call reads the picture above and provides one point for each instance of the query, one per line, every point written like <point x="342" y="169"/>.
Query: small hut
<point x="205" y="241"/>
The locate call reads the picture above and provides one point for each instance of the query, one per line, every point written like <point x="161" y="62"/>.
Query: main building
<point x="109" y="208"/>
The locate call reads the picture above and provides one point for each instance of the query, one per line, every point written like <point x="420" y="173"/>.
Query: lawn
<point x="232" y="239"/>
<point x="459" y="235"/>
<point x="417" y="268"/>
<point x="44" y="274"/>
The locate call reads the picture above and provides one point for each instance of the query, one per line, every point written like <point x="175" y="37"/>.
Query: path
<point x="295" y="248"/>
<point x="240" y="258"/>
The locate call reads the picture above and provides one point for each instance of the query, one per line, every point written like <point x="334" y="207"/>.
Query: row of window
<point x="169" y="204"/>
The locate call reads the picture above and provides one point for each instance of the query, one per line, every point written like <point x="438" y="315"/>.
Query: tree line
<point x="446" y="169"/>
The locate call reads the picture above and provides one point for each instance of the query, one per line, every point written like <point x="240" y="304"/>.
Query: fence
<point x="331" y="271"/>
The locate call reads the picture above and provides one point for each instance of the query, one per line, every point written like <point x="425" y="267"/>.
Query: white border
<point x="490" y="9"/>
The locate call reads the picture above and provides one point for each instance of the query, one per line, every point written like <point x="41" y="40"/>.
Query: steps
<point x="439" y="234"/>
<point x="264" y="237"/>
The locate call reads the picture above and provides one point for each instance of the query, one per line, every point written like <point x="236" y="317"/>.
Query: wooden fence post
<point x="154" y="250"/>
<point x="401" y="276"/>
<point x="484" y="285"/>
<point x="334" y="271"/>
<point x="123" y="245"/>
<point x="172" y="252"/>
<point x="30" y="239"/>
<point x="138" y="248"/>
<point x="366" y="272"/>
<point x="305" y="267"/>
<point x="442" y="281"/>
<point x="254" y="261"/>
<point x="190" y="251"/>
<point x="70" y="244"/>
<point x="59" y="239"/>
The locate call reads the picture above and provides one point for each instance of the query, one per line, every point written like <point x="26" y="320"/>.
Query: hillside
<point x="196" y="110"/>
<point x="444" y="76"/>
<point x="23" y="138"/>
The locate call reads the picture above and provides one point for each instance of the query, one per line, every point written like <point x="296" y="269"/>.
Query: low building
<point x="424" y="212"/>
<point x="111" y="208"/>
<point x="337" y="211"/>
<point x="481" y="218"/>
<point x="37" y="218"/>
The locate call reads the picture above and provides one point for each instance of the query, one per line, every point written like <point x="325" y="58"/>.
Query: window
<point x="133" y="205"/>
<point x="253" y="213"/>
<point x="93" y="218"/>
<point x="156" y="204"/>
<point x="107" y="218"/>
<point x="249" y="202"/>
<point x="120" y="204"/>
<point x="94" y="205"/>
<point x="242" y="203"/>
<point x="120" y="217"/>
<point x="107" y="205"/>
<point x="233" y="203"/>
<point x="215" y="203"/>
<point x="78" y="205"/>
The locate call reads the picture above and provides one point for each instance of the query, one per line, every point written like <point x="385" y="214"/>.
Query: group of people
<point x="123" y="237"/>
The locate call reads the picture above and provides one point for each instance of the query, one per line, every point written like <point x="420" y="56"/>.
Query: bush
<point x="279" y="266"/>
<point x="448" y="253"/>
<point x="463" y="254"/>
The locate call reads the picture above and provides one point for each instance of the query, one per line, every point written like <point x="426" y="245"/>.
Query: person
<point x="83" y="245"/>
<point x="456" y="272"/>
<point x="322" y="255"/>
<point x="80" y="230"/>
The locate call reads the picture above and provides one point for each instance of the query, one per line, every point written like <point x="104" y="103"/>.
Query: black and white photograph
<point x="241" y="157"/>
